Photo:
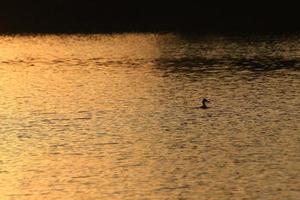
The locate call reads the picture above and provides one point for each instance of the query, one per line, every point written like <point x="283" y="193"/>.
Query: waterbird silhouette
<point x="204" y="101"/>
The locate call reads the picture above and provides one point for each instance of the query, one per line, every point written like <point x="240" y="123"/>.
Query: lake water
<point x="86" y="117"/>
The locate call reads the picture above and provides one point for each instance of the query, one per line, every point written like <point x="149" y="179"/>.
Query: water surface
<point x="114" y="117"/>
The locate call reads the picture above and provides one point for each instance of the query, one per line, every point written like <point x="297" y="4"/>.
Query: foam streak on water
<point x="113" y="117"/>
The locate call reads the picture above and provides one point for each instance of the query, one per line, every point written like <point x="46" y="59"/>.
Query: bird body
<point x="204" y="101"/>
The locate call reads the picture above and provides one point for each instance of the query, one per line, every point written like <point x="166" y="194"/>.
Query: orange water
<point x="114" y="117"/>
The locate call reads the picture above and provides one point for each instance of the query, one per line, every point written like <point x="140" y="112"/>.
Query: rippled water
<point x="114" y="117"/>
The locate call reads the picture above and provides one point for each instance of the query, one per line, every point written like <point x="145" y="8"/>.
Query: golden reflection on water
<point x="113" y="117"/>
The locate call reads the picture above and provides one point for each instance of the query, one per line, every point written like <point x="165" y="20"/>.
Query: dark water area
<point x="116" y="116"/>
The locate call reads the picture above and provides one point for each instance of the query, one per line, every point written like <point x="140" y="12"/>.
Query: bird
<point x="204" y="101"/>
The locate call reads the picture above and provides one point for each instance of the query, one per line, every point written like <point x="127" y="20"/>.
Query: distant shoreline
<point x="155" y="31"/>
<point x="197" y="17"/>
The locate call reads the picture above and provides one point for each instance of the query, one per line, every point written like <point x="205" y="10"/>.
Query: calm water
<point x="114" y="117"/>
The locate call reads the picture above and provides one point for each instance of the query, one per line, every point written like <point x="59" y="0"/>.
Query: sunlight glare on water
<point x="115" y="117"/>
